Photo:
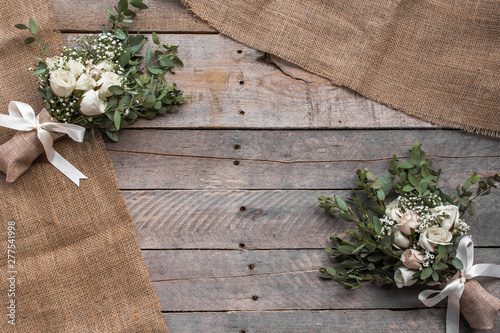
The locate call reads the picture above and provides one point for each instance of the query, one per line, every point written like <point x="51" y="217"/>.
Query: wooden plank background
<point x="223" y="192"/>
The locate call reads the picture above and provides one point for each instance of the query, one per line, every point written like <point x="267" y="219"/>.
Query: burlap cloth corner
<point x="436" y="60"/>
<point x="77" y="260"/>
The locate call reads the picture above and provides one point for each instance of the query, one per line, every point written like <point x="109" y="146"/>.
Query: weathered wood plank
<point x="177" y="159"/>
<point x="274" y="288"/>
<point x="161" y="16"/>
<point x="270" y="220"/>
<point x="228" y="89"/>
<point x="171" y="265"/>
<point x="366" y="321"/>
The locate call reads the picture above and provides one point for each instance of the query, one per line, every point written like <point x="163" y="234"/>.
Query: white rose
<point x="433" y="236"/>
<point x="52" y="62"/>
<point x="91" y="104"/>
<point x="107" y="80"/>
<point x="75" y="67"/>
<point x="105" y="65"/>
<point x="403" y="277"/>
<point x="401" y="241"/>
<point x="453" y="214"/>
<point x="392" y="210"/>
<point x="62" y="82"/>
<point x="85" y="82"/>
<point x="409" y="220"/>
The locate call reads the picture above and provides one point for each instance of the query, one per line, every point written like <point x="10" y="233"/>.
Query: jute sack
<point x="438" y="60"/>
<point x="76" y="265"/>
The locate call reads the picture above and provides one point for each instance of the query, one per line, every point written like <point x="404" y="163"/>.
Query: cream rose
<point x="75" y="67"/>
<point x="105" y="65"/>
<point x="433" y="236"/>
<point x="62" y="82"/>
<point x="85" y="82"/>
<point x="91" y="104"/>
<point x="392" y="210"/>
<point x="401" y="241"/>
<point x="453" y="214"/>
<point x="409" y="220"/>
<point x="412" y="258"/>
<point x="403" y="277"/>
<point x="107" y="80"/>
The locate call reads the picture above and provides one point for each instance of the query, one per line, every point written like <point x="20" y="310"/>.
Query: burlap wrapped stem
<point x="17" y="154"/>
<point x="479" y="307"/>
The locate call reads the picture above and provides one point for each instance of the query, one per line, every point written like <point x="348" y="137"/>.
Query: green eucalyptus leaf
<point x="128" y="12"/>
<point x="21" y="26"/>
<point x="178" y="61"/>
<point x="125" y="101"/>
<point x="138" y="4"/>
<point x="166" y="62"/>
<point x="426" y="273"/>
<point x="40" y="71"/>
<point x="120" y="34"/>
<point x="32" y="26"/>
<point x="412" y="179"/>
<point x="112" y="135"/>
<point x="347" y="217"/>
<point x="346" y="249"/>
<point x="155" y="38"/>
<point x="405" y="165"/>
<point x="381" y="194"/>
<point x="377" y="184"/>
<point x="342" y="205"/>
<point x="377" y="225"/>
<point x="375" y="257"/>
<point x="124" y="59"/>
<point x="457" y="263"/>
<point x="116" y="90"/>
<point x="148" y="55"/>
<point x="122" y="6"/>
<point x="408" y="188"/>
<point x="117" y="119"/>
<point x="29" y="40"/>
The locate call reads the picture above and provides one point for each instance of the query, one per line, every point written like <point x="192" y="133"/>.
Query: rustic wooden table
<point x="223" y="193"/>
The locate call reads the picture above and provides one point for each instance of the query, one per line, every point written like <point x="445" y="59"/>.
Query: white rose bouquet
<point x="415" y="238"/>
<point x="103" y="82"/>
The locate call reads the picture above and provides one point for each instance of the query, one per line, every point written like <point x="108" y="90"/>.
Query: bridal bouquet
<point x="415" y="238"/>
<point x="103" y="82"/>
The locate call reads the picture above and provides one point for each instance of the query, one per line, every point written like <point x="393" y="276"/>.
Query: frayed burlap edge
<point x="434" y="120"/>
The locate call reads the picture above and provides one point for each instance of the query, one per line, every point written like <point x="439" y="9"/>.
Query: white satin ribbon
<point x="454" y="290"/>
<point x="22" y="118"/>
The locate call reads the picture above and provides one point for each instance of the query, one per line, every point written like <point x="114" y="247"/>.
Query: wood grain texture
<point x="271" y="220"/>
<point x="177" y="159"/>
<point x="172" y="265"/>
<point x="327" y="321"/>
<point x="161" y="16"/>
<point x="221" y="83"/>
<point x="282" y="280"/>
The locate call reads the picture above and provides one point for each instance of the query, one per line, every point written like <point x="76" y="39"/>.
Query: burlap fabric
<point x="437" y="60"/>
<point x="77" y="261"/>
<point x="479" y="307"/>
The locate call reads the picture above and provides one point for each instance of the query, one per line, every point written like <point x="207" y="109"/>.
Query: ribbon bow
<point x="454" y="290"/>
<point x="22" y="118"/>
